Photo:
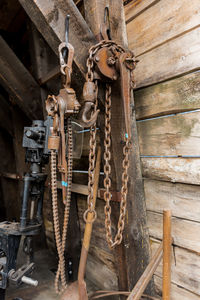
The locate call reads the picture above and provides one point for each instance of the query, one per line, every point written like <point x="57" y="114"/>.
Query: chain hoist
<point x="61" y="107"/>
<point x="108" y="62"/>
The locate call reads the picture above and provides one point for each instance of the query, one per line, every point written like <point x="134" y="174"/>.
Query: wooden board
<point x="176" y="95"/>
<point x="169" y="60"/>
<point x="182" y="199"/>
<point x="162" y="22"/>
<point x="177" y="292"/>
<point x="172" y="135"/>
<point x="134" y="8"/>
<point x="185" y="233"/>
<point x="185" y="268"/>
<point x="183" y="170"/>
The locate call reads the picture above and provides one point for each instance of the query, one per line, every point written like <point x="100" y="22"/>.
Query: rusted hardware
<point x="107" y="62"/>
<point x="167" y="241"/>
<point x="60" y="107"/>
<point x="115" y="196"/>
<point x="77" y="290"/>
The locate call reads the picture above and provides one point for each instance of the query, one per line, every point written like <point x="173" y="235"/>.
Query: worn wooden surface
<point x="135" y="8"/>
<point x="183" y="170"/>
<point x="184" y="232"/>
<point x="185" y="268"/>
<point x="182" y="199"/>
<point x="49" y="18"/>
<point x="172" y="135"/>
<point x="176" y="95"/>
<point x="169" y="60"/>
<point x="162" y="22"/>
<point x="18" y="82"/>
<point x="177" y="292"/>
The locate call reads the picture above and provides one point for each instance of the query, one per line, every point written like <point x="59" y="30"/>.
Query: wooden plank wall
<point x="165" y="35"/>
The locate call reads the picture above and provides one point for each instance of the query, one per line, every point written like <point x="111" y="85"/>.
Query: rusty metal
<point x="167" y="241"/>
<point x="107" y="181"/>
<point x="60" y="107"/>
<point x="77" y="290"/>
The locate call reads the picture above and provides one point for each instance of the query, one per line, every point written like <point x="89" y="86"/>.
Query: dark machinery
<point x="35" y="140"/>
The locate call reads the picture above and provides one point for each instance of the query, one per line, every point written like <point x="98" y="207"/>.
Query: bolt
<point x="114" y="77"/>
<point x="111" y="61"/>
<point x="97" y="58"/>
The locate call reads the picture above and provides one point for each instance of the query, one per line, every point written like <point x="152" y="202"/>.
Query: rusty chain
<point x="61" y="242"/>
<point x="91" y="169"/>
<point x="107" y="156"/>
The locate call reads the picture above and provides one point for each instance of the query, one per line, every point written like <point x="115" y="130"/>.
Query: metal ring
<point x="85" y="215"/>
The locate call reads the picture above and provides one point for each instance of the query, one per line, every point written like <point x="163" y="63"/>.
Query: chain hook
<point x="105" y="27"/>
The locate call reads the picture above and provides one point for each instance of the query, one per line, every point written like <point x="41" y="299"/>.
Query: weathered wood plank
<point x="185" y="233"/>
<point x="176" y="95"/>
<point x="134" y="8"/>
<point x="183" y="170"/>
<point x="185" y="269"/>
<point x="182" y="199"/>
<point x="49" y="18"/>
<point x="177" y="292"/>
<point x="169" y="60"/>
<point x="18" y="82"/>
<point x="171" y="135"/>
<point x="162" y="22"/>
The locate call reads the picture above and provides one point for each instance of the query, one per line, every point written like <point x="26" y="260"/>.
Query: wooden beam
<point x="19" y="83"/>
<point x="49" y="18"/>
<point x="132" y="256"/>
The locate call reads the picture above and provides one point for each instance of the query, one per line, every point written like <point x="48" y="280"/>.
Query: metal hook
<point x="67" y="29"/>
<point x="107" y="22"/>
<point x="85" y="122"/>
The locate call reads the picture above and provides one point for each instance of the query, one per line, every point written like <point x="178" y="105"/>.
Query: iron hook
<point x="85" y="122"/>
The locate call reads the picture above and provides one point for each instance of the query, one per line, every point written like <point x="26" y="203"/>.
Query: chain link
<point x="107" y="155"/>
<point x="107" y="181"/>
<point x="91" y="169"/>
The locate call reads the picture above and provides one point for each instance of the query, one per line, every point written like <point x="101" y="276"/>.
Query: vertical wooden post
<point x="132" y="256"/>
<point x="167" y="240"/>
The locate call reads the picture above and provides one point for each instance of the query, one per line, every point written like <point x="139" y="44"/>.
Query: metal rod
<point x="23" y="218"/>
<point x="167" y="241"/>
<point x="142" y="283"/>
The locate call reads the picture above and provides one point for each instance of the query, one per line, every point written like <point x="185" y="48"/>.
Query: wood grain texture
<point x="177" y="292"/>
<point x="169" y="60"/>
<point x="172" y="135"/>
<point x="176" y="95"/>
<point x="162" y="22"/>
<point x="182" y="199"/>
<point x="185" y="269"/>
<point x="183" y="170"/>
<point x="18" y="82"/>
<point x="134" y="8"/>
<point x="49" y="18"/>
<point x="184" y="233"/>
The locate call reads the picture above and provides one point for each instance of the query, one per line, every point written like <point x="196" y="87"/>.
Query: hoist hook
<point x="105" y="27"/>
<point x="85" y="122"/>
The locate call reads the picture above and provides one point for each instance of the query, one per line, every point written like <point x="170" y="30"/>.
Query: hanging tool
<point x="61" y="107"/>
<point x="77" y="290"/>
<point x="108" y="62"/>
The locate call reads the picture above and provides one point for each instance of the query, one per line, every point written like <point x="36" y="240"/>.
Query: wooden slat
<point x="18" y="82"/>
<point x="183" y="170"/>
<point x="49" y="18"/>
<point x="173" y="135"/>
<point x="182" y="199"/>
<point x="176" y="95"/>
<point x="185" y="269"/>
<point x="162" y="22"/>
<point x="185" y="233"/>
<point x="177" y="292"/>
<point x="134" y="8"/>
<point x="174" y="58"/>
